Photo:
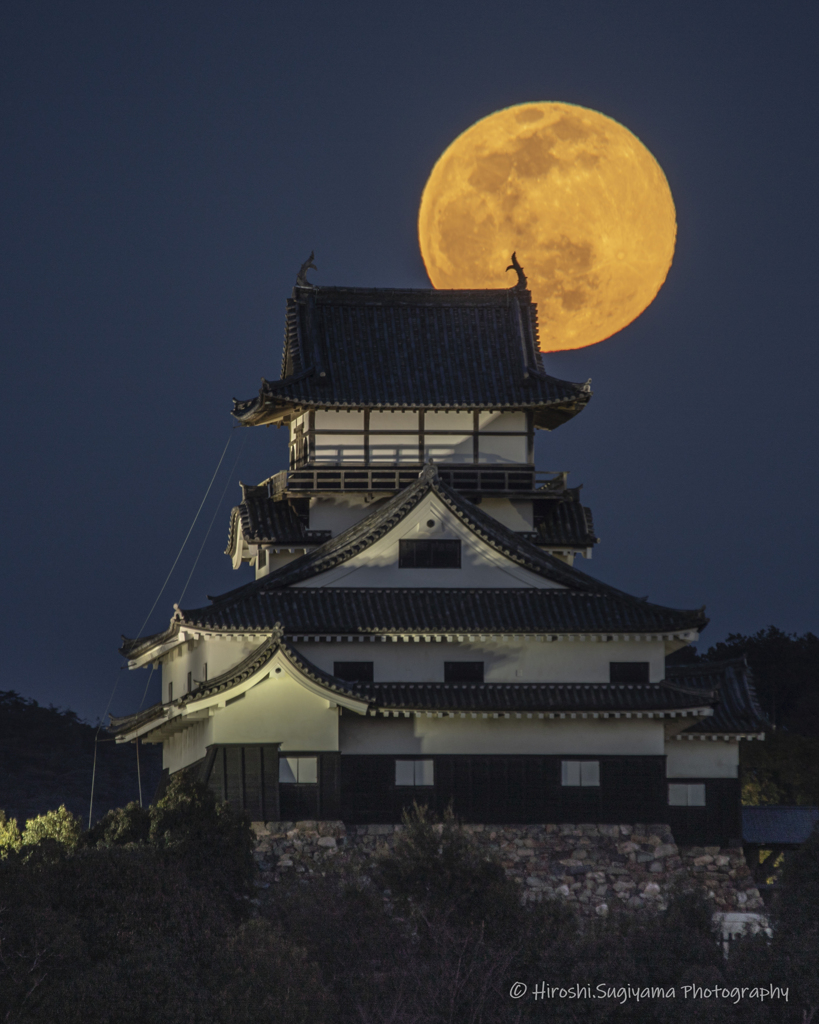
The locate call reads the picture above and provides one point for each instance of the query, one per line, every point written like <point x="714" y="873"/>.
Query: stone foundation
<point x="594" y="867"/>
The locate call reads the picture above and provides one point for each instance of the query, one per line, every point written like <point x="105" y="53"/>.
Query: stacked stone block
<point x="596" y="868"/>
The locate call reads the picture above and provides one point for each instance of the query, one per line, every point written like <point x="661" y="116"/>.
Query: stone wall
<point x="594" y="867"/>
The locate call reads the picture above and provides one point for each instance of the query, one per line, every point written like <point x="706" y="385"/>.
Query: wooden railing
<point x="470" y="479"/>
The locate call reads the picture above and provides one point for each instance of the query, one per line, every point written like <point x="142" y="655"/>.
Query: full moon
<point x="581" y="201"/>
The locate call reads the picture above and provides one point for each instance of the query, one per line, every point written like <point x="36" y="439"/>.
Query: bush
<point x="215" y="841"/>
<point x="121" y="827"/>
<point x="10" y="838"/>
<point x="436" y="868"/>
<point x="61" y="826"/>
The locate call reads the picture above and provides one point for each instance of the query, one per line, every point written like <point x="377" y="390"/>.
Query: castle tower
<point x="417" y="627"/>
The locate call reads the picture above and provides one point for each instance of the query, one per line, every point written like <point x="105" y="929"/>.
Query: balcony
<point x="470" y="479"/>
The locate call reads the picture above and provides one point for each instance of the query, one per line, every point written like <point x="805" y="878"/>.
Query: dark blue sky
<point x="166" y="167"/>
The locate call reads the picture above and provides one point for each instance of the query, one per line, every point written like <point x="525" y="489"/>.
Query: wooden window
<point x="298" y="770"/>
<point x="190" y="681"/>
<point x="429" y="554"/>
<point x="628" y="671"/>
<point x="463" y="671"/>
<point x="353" y="671"/>
<point x="686" y="794"/>
<point x="580" y="773"/>
<point x="170" y="693"/>
<point x="262" y="558"/>
<point x="414" y="773"/>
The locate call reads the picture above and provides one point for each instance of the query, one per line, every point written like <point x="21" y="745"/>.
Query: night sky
<point x="166" y="168"/>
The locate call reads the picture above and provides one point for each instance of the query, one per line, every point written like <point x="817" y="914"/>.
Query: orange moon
<point x="580" y="199"/>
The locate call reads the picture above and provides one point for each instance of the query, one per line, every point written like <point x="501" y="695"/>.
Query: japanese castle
<point x="418" y="628"/>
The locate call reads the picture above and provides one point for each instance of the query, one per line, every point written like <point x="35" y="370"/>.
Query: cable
<point x="150" y="613"/>
<point x="187" y="535"/>
<point x="213" y="519"/>
<point x="139" y="774"/>
<point x="201" y="548"/>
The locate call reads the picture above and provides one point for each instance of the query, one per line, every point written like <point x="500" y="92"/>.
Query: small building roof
<point x="566" y="523"/>
<point x="778" y="826"/>
<point x="265" y="520"/>
<point x="738" y="711"/>
<point x="412" y="348"/>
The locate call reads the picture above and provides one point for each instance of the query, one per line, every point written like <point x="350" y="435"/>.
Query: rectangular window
<point x="463" y="671"/>
<point x="580" y="773"/>
<point x="353" y="671"/>
<point x="298" y="770"/>
<point x="686" y="794"/>
<point x="429" y="554"/>
<point x="170" y="693"/>
<point x="628" y="671"/>
<point x="414" y="773"/>
<point x="262" y="558"/>
<point x="190" y="681"/>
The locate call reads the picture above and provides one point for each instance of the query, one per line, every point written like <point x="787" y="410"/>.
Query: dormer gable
<point x="512" y="559"/>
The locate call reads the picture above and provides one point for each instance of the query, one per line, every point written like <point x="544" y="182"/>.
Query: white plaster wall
<point x="456" y="445"/>
<point x="489" y="422"/>
<point x="192" y="656"/>
<point x="702" y="759"/>
<point x="186" y="747"/>
<point x="276" y="561"/>
<point x="335" y="448"/>
<point x="479" y="735"/>
<point x="391" y="448"/>
<point x="515" y="515"/>
<point x="339" y="514"/>
<point x="278" y="710"/>
<point x="481" y="566"/>
<point x="502" y="449"/>
<point x="522" y="661"/>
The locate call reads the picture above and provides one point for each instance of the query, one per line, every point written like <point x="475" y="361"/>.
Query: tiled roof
<point x="596" y="698"/>
<point x="267" y="521"/>
<point x="566" y="523"/>
<point x="419" y="348"/>
<point x="585" y="605"/>
<point x="353" y="612"/>
<point x="324" y="611"/>
<point x="738" y="710"/>
<point x="786" y="826"/>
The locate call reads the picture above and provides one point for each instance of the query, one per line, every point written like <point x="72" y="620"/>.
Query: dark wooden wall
<point x="490" y="789"/>
<point x="507" y="788"/>
<point x="719" y="823"/>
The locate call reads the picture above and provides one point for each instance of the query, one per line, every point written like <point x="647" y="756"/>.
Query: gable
<point x="482" y="565"/>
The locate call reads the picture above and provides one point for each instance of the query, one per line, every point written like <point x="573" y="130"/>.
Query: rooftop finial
<point x="514" y="265"/>
<point x="301" y="277"/>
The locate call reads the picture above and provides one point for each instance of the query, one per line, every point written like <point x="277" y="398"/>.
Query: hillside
<point x="46" y="759"/>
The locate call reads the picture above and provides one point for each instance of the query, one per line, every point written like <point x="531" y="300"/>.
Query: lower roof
<point x="552" y="699"/>
<point x="779" y="826"/>
<point x="371" y="612"/>
<point x="569" y="698"/>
